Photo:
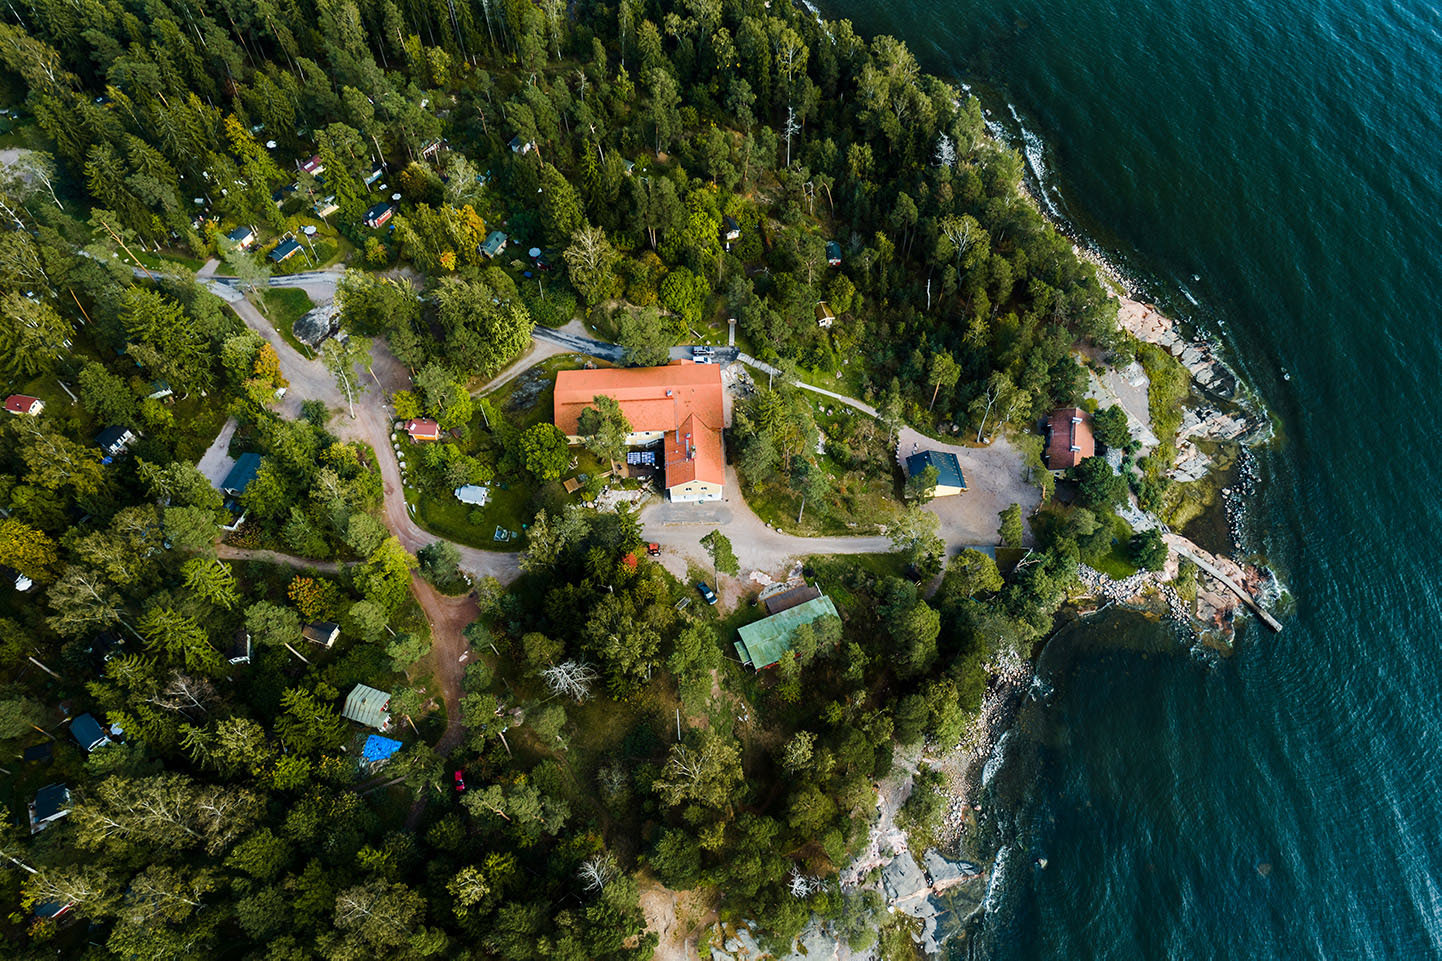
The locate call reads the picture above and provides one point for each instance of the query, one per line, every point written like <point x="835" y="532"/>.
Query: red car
<point x="460" y="781"/>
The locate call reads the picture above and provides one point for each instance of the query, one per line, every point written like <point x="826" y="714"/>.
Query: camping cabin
<point x="379" y="214"/>
<point x="52" y="802"/>
<point x="114" y="441"/>
<point x="495" y="242"/>
<point x="949" y="479"/>
<point x="730" y="231"/>
<point x="423" y="429"/>
<point x="88" y="733"/>
<point x="243" y="237"/>
<point x="239" y="649"/>
<point x="323" y="633"/>
<point x="24" y="405"/>
<point x="283" y="251"/>
<point x="247" y="466"/>
<point x="369" y="706"/>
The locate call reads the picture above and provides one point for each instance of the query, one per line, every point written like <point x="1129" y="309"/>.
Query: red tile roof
<point x="20" y="403"/>
<point x="694" y="453"/>
<point x="681" y="398"/>
<point x="1069" y="440"/>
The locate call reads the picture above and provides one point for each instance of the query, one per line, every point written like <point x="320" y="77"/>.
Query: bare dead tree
<point x="570" y="678"/>
<point x="597" y="871"/>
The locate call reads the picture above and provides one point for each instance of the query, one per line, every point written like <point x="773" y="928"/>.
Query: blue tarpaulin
<point x="379" y="748"/>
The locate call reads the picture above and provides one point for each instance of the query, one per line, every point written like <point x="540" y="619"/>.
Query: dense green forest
<point x="677" y="164"/>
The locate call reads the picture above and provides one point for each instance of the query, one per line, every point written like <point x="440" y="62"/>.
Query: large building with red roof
<point x="1069" y="438"/>
<point x="680" y="406"/>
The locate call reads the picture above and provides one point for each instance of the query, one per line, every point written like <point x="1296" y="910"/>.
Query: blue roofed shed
<point x="378" y="750"/>
<point x="240" y="476"/>
<point x="243" y="236"/>
<point x="949" y="479"/>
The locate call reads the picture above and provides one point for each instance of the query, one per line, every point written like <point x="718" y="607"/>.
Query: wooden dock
<point x="1232" y="585"/>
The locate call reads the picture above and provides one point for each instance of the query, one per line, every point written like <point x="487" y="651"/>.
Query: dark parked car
<point x="706" y="592"/>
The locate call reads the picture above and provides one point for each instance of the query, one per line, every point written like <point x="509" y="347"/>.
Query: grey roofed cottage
<point x="323" y="633"/>
<point x="238" y="652"/>
<point x="88" y="733"/>
<point x="476" y="494"/>
<point x="283" y="251"/>
<point x="247" y="466"/>
<point x="833" y="253"/>
<point x="114" y="440"/>
<point x="52" y="802"/>
<point x="949" y="479"/>
<point x="316" y="325"/>
<point x="366" y="705"/>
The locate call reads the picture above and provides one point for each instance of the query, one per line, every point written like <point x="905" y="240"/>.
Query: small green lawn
<point x="283" y="306"/>
<point x="447" y="517"/>
<point x="1116" y="563"/>
<point x="165" y="260"/>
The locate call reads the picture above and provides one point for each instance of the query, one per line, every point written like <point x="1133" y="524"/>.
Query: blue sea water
<point x="1279" y="162"/>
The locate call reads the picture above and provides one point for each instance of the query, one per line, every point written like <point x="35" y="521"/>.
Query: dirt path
<point x="538" y="351"/>
<point x="228" y="553"/>
<point x="450" y="652"/>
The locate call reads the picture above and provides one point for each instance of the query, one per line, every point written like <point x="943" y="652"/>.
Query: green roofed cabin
<point x="368" y="706"/>
<point x="949" y="479"/>
<point x="766" y="641"/>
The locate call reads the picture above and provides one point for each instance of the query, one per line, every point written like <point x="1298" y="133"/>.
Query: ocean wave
<point x="996" y="759"/>
<point x="996" y="886"/>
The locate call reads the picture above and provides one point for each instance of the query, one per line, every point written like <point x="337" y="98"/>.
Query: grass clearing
<point x="283" y="306"/>
<point x="1167" y="391"/>
<point x="473" y="526"/>
<point x="1116" y="563"/>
